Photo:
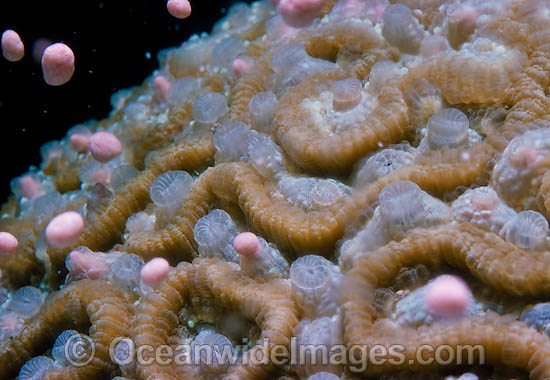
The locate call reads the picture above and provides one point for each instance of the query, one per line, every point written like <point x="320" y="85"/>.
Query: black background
<point x="110" y="40"/>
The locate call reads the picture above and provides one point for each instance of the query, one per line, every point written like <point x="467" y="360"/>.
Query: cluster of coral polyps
<point x="363" y="179"/>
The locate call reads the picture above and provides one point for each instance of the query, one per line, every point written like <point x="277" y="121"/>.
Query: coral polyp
<point x="317" y="189"/>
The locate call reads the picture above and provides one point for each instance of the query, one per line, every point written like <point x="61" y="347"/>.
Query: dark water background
<point x="110" y="40"/>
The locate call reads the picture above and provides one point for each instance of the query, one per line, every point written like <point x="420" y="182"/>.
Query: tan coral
<point x="466" y="246"/>
<point x="478" y="73"/>
<point x="94" y="303"/>
<point x="321" y="140"/>
<point x="206" y="282"/>
<point x="290" y="227"/>
<point x="105" y="226"/>
<point x="253" y="81"/>
<point x="499" y="77"/>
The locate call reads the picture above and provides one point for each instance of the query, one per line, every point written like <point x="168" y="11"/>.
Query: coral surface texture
<point x="317" y="189"/>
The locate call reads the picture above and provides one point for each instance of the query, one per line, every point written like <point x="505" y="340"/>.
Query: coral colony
<point x="317" y="189"/>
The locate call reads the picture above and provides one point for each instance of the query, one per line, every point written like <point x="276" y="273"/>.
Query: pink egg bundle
<point x="179" y="8"/>
<point x="154" y="272"/>
<point x="12" y="46"/>
<point x="247" y="245"/>
<point x="57" y="64"/>
<point x="448" y="296"/>
<point x="64" y="230"/>
<point x="105" y="146"/>
<point x="8" y="244"/>
<point x="87" y="263"/>
<point x="57" y="59"/>
<point x="300" y="13"/>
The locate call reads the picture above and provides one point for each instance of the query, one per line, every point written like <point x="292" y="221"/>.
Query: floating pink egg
<point x="57" y="64"/>
<point x="179" y="8"/>
<point x="12" y="46"/>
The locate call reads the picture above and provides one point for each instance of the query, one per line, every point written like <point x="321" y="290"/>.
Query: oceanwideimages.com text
<point x="357" y="357"/>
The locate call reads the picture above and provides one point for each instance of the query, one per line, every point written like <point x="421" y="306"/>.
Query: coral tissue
<point x="369" y="179"/>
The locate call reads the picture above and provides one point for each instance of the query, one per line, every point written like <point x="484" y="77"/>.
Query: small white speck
<point x="90" y="71"/>
<point x="500" y="49"/>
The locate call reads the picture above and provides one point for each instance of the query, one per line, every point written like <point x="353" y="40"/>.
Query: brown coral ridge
<point x="315" y="150"/>
<point x="495" y="262"/>
<point x="24" y="266"/>
<point x="208" y="282"/>
<point x="326" y="41"/>
<point x="479" y="79"/>
<point x="20" y="267"/>
<point x="161" y="135"/>
<point x="543" y="196"/>
<point x="105" y="226"/>
<point x="66" y="178"/>
<point x="291" y="228"/>
<point x="95" y="304"/>
<point x="253" y="81"/>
